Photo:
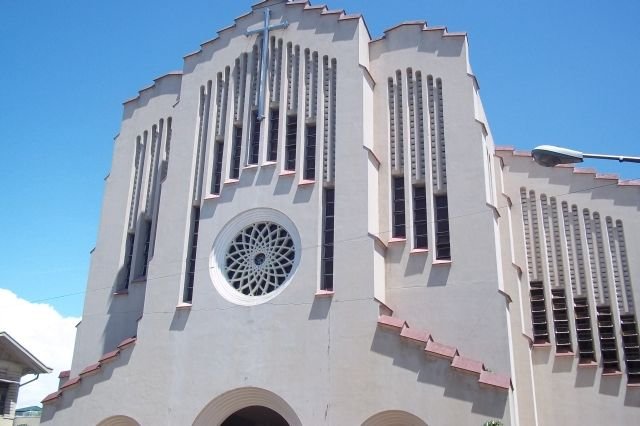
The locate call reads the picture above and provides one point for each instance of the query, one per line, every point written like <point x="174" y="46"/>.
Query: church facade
<point x="310" y="226"/>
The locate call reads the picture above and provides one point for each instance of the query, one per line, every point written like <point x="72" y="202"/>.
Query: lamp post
<point x="549" y="156"/>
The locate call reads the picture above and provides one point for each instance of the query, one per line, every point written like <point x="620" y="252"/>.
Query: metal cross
<point x="265" y="52"/>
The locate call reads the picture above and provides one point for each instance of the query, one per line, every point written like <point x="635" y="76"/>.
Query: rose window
<point x="259" y="258"/>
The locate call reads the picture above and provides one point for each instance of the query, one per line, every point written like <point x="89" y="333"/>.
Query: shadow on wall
<point x="438" y="372"/>
<point x="125" y="309"/>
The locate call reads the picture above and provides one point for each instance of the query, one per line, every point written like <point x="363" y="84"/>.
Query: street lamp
<point x="549" y="156"/>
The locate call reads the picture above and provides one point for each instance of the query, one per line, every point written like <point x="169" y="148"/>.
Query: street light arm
<point x="620" y="158"/>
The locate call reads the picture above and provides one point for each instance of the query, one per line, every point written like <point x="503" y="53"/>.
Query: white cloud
<point x="45" y="333"/>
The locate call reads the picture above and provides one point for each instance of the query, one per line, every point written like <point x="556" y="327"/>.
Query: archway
<point x="243" y="402"/>
<point x="119" y="421"/>
<point x="393" y="418"/>
<point x="255" y="416"/>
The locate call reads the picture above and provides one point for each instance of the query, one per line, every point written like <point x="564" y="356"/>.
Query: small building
<point x="15" y="362"/>
<point x="28" y="416"/>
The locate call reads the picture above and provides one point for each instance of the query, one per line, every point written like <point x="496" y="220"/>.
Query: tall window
<point x="274" y="122"/>
<point x="328" y="239"/>
<point x="310" y="153"/>
<point x="235" y="152"/>
<point x="290" y="145"/>
<point x="217" y="171"/>
<point x="399" y="228"/>
<point x="254" y="146"/>
<point x="128" y="259"/>
<point x="420" y="217"/>
<point x="443" y="245"/>
<point x="193" y="249"/>
<point x="146" y="249"/>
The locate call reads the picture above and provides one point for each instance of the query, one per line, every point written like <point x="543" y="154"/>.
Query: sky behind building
<point x="550" y="72"/>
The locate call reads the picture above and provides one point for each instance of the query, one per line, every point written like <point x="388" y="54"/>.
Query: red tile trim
<point x="70" y="383"/>
<point x="505" y="148"/>
<point x="90" y="369"/>
<point x="631" y="182"/>
<point x="384" y="309"/>
<point x="417" y="251"/>
<point x="324" y="293"/>
<point x="51" y="397"/>
<point x="590" y="364"/>
<point x="467" y="365"/>
<point x="348" y="17"/>
<point x="422" y="24"/>
<point x="397" y="240"/>
<point x="415" y="335"/>
<point x="607" y="176"/>
<point x="64" y="374"/>
<point x="306" y="182"/>
<point x="521" y="154"/>
<point x="565" y="355"/>
<point x="127" y="342"/>
<point x="495" y="380"/>
<point x="287" y="173"/>
<point x="439" y="350"/>
<point x="109" y="356"/>
<point x="391" y="323"/>
<point x="584" y="171"/>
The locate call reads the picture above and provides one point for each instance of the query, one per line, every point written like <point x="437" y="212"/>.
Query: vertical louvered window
<point x="443" y="243"/>
<point x="584" y="333"/>
<point x="235" y="152"/>
<point x="274" y="123"/>
<point x="191" y="262"/>
<point x="560" y="320"/>
<point x="254" y="146"/>
<point x="608" y="346"/>
<point x="328" y="239"/>
<point x="420" y="217"/>
<point x="398" y="214"/>
<point x="538" y="313"/>
<point x="144" y="261"/>
<point x="217" y="168"/>
<point x="290" y="144"/>
<point x="631" y="347"/>
<point x="310" y="154"/>
<point x="128" y="259"/>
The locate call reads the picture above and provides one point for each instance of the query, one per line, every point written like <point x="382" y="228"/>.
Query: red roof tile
<point x="51" y="397"/>
<point x="109" y="356"/>
<point x="440" y="350"/>
<point x="467" y="365"/>
<point x="496" y="380"/>
<point x="127" y="342"/>
<point x="415" y="335"/>
<point x="90" y="369"/>
<point x="70" y="382"/>
<point x="64" y="374"/>
<point x="391" y="323"/>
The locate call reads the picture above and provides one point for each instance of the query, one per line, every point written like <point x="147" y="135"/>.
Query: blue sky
<point x="550" y="72"/>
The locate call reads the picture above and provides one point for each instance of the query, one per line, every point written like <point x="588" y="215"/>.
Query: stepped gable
<point x="423" y="27"/>
<point x="431" y="347"/>
<point x="91" y="370"/>
<point x="509" y="151"/>
<point x="151" y="90"/>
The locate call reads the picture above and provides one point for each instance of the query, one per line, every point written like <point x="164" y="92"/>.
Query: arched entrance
<point x="250" y="405"/>
<point x="119" y="421"/>
<point x="255" y="416"/>
<point x="394" y="418"/>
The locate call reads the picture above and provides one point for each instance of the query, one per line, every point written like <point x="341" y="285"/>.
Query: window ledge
<point x="287" y="173"/>
<point x="250" y="166"/>
<point x="590" y="364"/>
<point x="324" y="293"/>
<point x="419" y="251"/>
<point x="306" y="182"/>
<point x="633" y="385"/>
<point x="542" y="345"/>
<point x="397" y="240"/>
<point x="442" y="262"/>
<point x="565" y="354"/>
<point x="612" y="373"/>
<point x="231" y="181"/>
<point x="212" y="197"/>
<point x="183" y="306"/>
<point x="139" y="280"/>
<point x="269" y="163"/>
<point x="121" y="292"/>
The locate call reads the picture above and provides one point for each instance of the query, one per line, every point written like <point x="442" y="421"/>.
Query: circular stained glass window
<point x="259" y="259"/>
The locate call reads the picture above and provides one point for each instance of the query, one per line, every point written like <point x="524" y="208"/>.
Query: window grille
<point x="192" y="255"/>
<point x="328" y="239"/>
<point x="420" y="152"/>
<point x="398" y="214"/>
<point x="560" y="320"/>
<point x="608" y="345"/>
<point x="420" y="224"/>
<point x="584" y="333"/>
<point x="399" y="126"/>
<point x="326" y="93"/>
<point x="274" y="124"/>
<point x="135" y="191"/>
<point x="412" y="123"/>
<point x="290" y="143"/>
<point x="128" y="260"/>
<point x="538" y="313"/>
<point x="236" y="152"/>
<point x="334" y="89"/>
<point x="144" y="260"/>
<point x="443" y="243"/>
<point x="167" y="150"/>
<point x="310" y="153"/>
<point x="217" y="171"/>
<point x="254" y="146"/>
<point x="631" y="347"/>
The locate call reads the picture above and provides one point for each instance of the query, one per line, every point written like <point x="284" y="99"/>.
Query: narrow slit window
<point x="235" y="152"/>
<point x="608" y="345"/>
<point x="128" y="260"/>
<point x="443" y="243"/>
<point x="328" y="240"/>
<point x="561" y="321"/>
<point x="310" y="154"/>
<point x="217" y="172"/>
<point x="290" y="145"/>
<point x="144" y="262"/>
<point x="584" y="332"/>
<point x="538" y="313"/>
<point x="398" y="216"/>
<point x="631" y="347"/>
<point x="191" y="262"/>
<point x="274" y="123"/>
<point x="420" y="225"/>
<point x="254" y="146"/>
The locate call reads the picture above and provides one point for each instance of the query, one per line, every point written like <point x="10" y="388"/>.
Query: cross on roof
<point x="264" y="59"/>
